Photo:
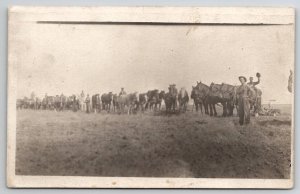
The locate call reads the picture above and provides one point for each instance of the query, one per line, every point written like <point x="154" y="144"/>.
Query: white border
<point x="188" y="15"/>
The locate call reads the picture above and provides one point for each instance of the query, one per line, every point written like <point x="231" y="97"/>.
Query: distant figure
<point x="81" y="101"/>
<point x="57" y="103"/>
<point x="122" y="92"/>
<point x="88" y="103"/>
<point x="74" y="103"/>
<point x="290" y="82"/>
<point x="45" y="104"/>
<point x="243" y="92"/>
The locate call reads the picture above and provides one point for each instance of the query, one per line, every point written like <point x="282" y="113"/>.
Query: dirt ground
<point x="148" y="145"/>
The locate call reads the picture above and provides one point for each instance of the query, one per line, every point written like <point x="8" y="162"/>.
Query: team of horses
<point x="203" y="96"/>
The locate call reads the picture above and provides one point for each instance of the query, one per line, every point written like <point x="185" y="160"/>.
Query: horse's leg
<point x="230" y="107"/>
<point x="201" y="108"/>
<point x="174" y="106"/>
<point x="210" y="109"/>
<point x="224" y="109"/>
<point x="206" y="106"/>
<point x="215" y="111"/>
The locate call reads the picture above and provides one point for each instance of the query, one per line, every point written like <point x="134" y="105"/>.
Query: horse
<point x="50" y="102"/>
<point x="202" y="94"/>
<point x="143" y="99"/>
<point x="115" y="102"/>
<point x="130" y="101"/>
<point x="63" y="102"/>
<point x="57" y="103"/>
<point x="44" y="103"/>
<point x="153" y="97"/>
<point x="20" y="104"/>
<point x="224" y="94"/>
<point x="38" y="103"/>
<point x="106" y="100"/>
<point x="171" y="99"/>
<point x="183" y="99"/>
<point x="161" y="97"/>
<point x="196" y="96"/>
<point x="96" y="103"/>
<point x="75" y="103"/>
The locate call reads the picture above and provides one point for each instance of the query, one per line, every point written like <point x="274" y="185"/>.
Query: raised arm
<point x="258" y="81"/>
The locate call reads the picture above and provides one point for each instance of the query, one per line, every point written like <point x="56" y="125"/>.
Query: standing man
<point x="46" y="101"/>
<point x="257" y="103"/>
<point x="243" y="102"/>
<point x="87" y="101"/>
<point x="74" y="103"/>
<point x="81" y="101"/>
<point x="252" y="83"/>
<point x="122" y="92"/>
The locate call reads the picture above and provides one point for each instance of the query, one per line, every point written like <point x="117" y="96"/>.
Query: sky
<point x="68" y="58"/>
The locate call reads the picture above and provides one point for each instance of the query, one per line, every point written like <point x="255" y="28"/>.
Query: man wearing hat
<point x="88" y="103"/>
<point x="122" y="92"/>
<point x="252" y="84"/>
<point x="243" y="101"/>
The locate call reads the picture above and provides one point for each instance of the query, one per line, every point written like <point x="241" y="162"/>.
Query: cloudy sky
<point x="57" y="59"/>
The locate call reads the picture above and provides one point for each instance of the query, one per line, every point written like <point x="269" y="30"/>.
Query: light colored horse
<point x="183" y="99"/>
<point x="128" y="100"/>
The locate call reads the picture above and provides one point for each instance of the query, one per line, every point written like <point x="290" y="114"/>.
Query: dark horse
<point x="171" y="99"/>
<point x="224" y="94"/>
<point x="154" y="99"/>
<point x="216" y="93"/>
<point x="201" y="94"/>
<point x="198" y="101"/>
<point x="106" y="101"/>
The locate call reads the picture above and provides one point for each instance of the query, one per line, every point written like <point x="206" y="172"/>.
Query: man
<point x="87" y="101"/>
<point x="81" y="101"/>
<point x="74" y="103"/>
<point x="252" y="83"/>
<point x="122" y="92"/>
<point x="257" y="103"/>
<point x="46" y="101"/>
<point x="243" y="102"/>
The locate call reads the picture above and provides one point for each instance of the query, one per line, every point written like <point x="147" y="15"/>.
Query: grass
<point x="144" y="145"/>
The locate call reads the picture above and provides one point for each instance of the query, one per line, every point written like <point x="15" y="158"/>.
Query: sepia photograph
<point x="151" y="97"/>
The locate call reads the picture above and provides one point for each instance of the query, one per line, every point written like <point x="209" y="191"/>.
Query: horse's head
<point x="161" y="94"/>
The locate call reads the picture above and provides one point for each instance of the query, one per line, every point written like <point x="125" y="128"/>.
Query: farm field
<point x="152" y="145"/>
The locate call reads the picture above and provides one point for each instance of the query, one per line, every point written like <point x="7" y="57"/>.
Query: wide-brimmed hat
<point x="243" y="78"/>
